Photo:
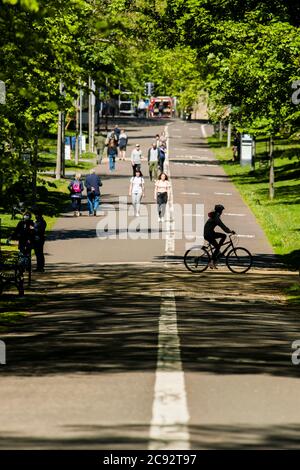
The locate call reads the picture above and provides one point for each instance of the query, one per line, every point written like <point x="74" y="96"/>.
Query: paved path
<point x="197" y="178"/>
<point x="125" y="350"/>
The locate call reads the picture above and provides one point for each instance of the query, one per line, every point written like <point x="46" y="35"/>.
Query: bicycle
<point x="238" y="259"/>
<point x="11" y="272"/>
<point x="24" y="264"/>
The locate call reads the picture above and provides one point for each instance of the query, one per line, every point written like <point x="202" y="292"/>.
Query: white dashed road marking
<point x="191" y="194"/>
<point x="170" y="417"/>
<point x="234" y="215"/>
<point x="246" y="236"/>
<point x="223" y="194"/>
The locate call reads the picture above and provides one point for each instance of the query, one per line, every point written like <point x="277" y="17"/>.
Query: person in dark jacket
<point x="211" y="236"/>
<point x="161" y="156"/>
<point x="93" y="184"/>
<point x="24" y="233"/>
<point x="39" y="239"/>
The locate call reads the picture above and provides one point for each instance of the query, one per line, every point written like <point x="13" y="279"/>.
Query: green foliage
<point x="279" y="218"/>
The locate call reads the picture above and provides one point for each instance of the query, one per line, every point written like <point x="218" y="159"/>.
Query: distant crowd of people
<point x="30" y="232"/>
<point x="115" y="144"/>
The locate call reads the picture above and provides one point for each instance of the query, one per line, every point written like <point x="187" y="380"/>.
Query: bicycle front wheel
<point x="196" y="259"/>
<point x="239" y="260"/>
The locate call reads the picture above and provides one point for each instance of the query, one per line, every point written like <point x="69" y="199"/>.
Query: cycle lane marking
<point x="170" y="417"/>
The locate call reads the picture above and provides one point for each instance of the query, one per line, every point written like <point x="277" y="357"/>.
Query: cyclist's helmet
<point x="219" y="208"/>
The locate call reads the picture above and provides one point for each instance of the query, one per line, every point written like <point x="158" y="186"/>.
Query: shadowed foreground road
<point x="81" y="368"/>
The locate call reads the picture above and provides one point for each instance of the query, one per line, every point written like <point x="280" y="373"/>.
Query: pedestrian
<point x="93" y="184"/>
<point x="161" y="157"/>
<point x="161" y="195"/>
<point x="24" y="233"/>
<point x="136" y="159"/>
<point x="123" y="142"/>
<point x="112" y="151"/>
<point x="153" y="158"/>
<point x="76" y="188"/>
<point x="40" y="226"/>
<point x="163" y="139"/>
<point x="161" y="109"/>
<point x="111" y="136"/>
<point x="137" y="191"/>
<point x="236" y="149"/>
<point x="117" y="132"/>
<point x="99" y="141"/>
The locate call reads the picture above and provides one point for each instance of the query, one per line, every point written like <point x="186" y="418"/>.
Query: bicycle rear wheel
<point x="239" y="260"/>
<point x="196" y="259"/>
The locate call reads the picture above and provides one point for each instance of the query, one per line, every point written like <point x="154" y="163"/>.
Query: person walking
<point x="40" y="226"/>
<point x="24" y="233"/>
<point x="76" y="188"/>
<point x="236" y="148"/>
<point x="137" y="191"/>
<point x="153" y="158"/>
<point x="112" y="151"/>
<point x="161" y="157"/>
<point x="136" y="159"/>
<point x="93" y="184"/>
<point x="123" y="142"/>
<point x="117" y="132"/>
<point x="161" y="195"/>
<point x="99" y="141"/>
<point x="163" y="139"/>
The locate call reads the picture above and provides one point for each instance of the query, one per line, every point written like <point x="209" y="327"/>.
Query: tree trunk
<point x="77" y="132"/>
<point x="34" y="165"/>
<point x="91" y="114"/>
<point x="63" y="144"/>
<point x="58" y="154"/>
<point x="229" y="135"/>
<point x="272" y="174"/>
<point x="220" y="131"/>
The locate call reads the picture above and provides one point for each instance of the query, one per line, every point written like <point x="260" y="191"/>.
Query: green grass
<point x="10" y="318"/>
<point x="279" y="218"/>
<point x="293" y="294"/>
<point x="47" y="157"/>
<point x="52" y="197"/>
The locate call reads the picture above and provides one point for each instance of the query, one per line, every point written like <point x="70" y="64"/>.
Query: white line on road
<point x="193" y="215"/>
<point x="170" y="223"/>
<point x="191" y="194"/>
<point x="223" y="194"/>
<point x="234" y="215"/>
<point x="246" y="236"/>
<point x="170" y="417"/>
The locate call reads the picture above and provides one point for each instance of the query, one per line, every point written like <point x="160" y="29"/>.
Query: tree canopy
<point x="240" y="53"/>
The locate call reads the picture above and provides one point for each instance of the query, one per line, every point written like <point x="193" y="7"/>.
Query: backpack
<point x="76" y="187"/>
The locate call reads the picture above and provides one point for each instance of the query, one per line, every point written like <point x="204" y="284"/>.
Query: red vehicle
<point x="161" y="106"/>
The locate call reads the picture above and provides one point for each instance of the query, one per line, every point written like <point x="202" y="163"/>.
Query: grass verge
<point x="279" y="218"/>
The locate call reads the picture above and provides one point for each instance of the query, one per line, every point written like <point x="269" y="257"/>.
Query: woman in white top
<point x="161" y="195"/>
<point x="137" y="191"/>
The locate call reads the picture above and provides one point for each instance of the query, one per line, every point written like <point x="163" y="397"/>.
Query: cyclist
<point x="214" y="220"/>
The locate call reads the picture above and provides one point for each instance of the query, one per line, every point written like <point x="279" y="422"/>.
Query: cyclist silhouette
<point x="214" y="220"/>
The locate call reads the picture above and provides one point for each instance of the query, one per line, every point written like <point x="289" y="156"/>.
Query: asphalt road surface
<point x="125" y="349"/>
